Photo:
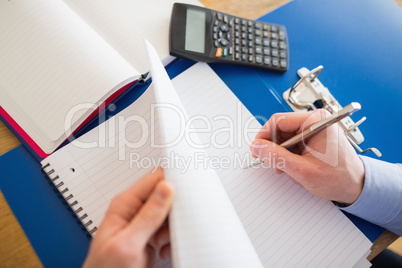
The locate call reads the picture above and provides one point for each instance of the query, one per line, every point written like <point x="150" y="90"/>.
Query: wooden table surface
<point x="15" y="249"/>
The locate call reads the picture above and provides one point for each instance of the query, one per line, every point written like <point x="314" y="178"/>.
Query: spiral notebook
<point x="223" y="215"/>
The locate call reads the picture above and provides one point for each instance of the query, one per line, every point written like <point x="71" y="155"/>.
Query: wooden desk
<point x="15" y="249"/>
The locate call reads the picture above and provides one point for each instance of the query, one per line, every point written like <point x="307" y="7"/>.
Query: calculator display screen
<point x="195" y="30"/>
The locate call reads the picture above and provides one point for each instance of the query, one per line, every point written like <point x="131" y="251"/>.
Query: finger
<point x="124" y="206"/>
<point x="280" y="158"/>
<point x="162" y="237"/>
<point x="282" y="126"/>
<point x="151" y="215"/>
<point x="166" y="252"/>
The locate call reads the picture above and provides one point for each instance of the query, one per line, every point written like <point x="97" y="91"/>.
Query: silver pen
<point x="317" y="127"/>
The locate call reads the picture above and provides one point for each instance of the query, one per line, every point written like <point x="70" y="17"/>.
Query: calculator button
<point x="237" y="27"/>
<point x="257" y="32"/>
<point x="258" y="59"/>
<point x="274" y="28"/>
<point x="265" y="34"/>
<point x="274" y="53"/>
<point x="250" y="23"/>
<point x="224" y="42"/>
<point x="250" y="30"/>
<point x="225" y="19"/>
<point x="257" y="25"/>
<point x="265" y="27"/>
<point x="216" y="43"/>
<point x="243" y="35"/>
<point x="219" y="16"/>
<point x="220" y="35"/>
<point x="228" y="36"/>
<point x="237" y="34"/>
<point x="237" y="41"/>
<point x="267" y="51"/>
<point x="275" y="62"/>
<point x="283" y="63"/>
<point x="250" y="58"/>
<point x="244" y="50"/>
<point x="282" y="45"/>
<point x="282" y="54"/>
<point x="218" y="52"/>
<point x="265" y="42"/>
<point x="215" y="29"/>
<point x="250" y="37"/>
<point x="274" y="35"/>
<point x="216" y="22"/>
<point x="244" y="57"/>
<point x="237" y="48"/>
<point x="244" y="42"/>
<point x="237" y="56"/>
<point x="224" y="27"/>
<point x="267" y="60"/>
<point x="258" y="50"/>
<point x="258" y="40"/>
<point x="237" y="20"/>
<point x="215" y="36"/>
<point x="244" y="22"/>
<point x="230" y="51"/>
<point x="243" y="28"/>
<point x="282" y="35"/>
<point x="231" y="23"/>
<point x="274" y="43"/>
<point x="250" y="44"/>
<point x="250" y="50"/>
<point x="225" y="52"/>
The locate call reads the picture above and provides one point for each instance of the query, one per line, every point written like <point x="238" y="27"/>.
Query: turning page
<point x="205" y="229"/>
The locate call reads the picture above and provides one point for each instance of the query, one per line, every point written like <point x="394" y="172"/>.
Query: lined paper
<point x="51" y="62"/>
<point x="287" y="225"/>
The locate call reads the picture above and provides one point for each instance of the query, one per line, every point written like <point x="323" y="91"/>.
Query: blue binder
<point x="358" y="42"/>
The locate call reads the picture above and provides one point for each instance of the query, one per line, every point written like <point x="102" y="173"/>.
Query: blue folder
<point x="357" y="42"/>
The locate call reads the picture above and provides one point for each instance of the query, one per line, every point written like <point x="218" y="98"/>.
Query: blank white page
<point x="51" y="62"/>
<point x="125" y="23"/>
<point x="288" y="226"/>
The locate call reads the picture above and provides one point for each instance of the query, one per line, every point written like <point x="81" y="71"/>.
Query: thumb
<point x="151" y="215"/>
<point x="278" y="157"/>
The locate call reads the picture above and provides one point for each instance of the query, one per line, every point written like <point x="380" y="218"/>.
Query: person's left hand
<point x="133" y="229"/>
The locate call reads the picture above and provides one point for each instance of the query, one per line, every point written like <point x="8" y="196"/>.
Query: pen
<point x="317" y="127"/>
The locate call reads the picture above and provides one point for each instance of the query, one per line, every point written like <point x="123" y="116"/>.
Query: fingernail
<point x="163" y="191"/>
<point x="256" y="148"/>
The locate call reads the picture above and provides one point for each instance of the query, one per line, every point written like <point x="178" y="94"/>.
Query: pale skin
<point x="134" y="229"/>
<point x="326" y="164"/>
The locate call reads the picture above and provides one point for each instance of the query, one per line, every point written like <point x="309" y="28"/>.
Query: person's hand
<point x="133" y="229"/>
<point x="326" y="164"/>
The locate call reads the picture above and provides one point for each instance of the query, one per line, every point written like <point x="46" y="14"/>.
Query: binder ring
<point x="313" y="74"/>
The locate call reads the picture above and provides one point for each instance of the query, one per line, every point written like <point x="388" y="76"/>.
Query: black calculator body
<point x="207" y="35"/>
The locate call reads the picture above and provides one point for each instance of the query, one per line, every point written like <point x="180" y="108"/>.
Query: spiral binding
<point x="69" y="199"/>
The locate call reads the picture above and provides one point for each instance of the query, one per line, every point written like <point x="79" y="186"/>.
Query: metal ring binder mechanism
<point x="310" y="94"/>
<point x="54" y="180"/>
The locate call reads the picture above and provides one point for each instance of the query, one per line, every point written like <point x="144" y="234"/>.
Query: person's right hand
<point x="326" y="164"/>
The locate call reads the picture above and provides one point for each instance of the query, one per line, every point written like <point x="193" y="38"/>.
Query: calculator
<point x="202" y="34"/>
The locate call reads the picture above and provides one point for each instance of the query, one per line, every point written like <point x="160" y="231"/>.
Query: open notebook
<point x="223" y="215"/>
<point x="61" y="59"/>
